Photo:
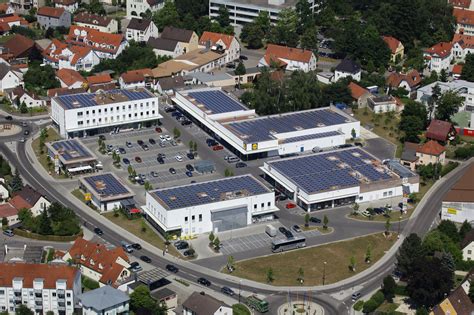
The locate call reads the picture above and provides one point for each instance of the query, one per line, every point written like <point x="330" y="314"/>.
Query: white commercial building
<point x="40" y="287"/>
<point x="337" y="178"/>
<point x="250" y="136"/>
<point x="218" y="205"/>
<point x="464" y="88"/>
<point x="458" y="203"/>
<point x="83" y="114"/>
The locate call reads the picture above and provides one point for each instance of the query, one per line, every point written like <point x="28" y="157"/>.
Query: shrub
<point x="370" y="306"/>
<point x="448" y="168"/>
<point x="89" y="284"/>
<point x="359" y="305"/>
<point x="240" y="309"/>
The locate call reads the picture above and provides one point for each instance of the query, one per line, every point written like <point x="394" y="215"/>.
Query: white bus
<point x="288" y="244"/>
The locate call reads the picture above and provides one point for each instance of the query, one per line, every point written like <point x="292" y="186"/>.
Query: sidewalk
<point x="20" y="117"/>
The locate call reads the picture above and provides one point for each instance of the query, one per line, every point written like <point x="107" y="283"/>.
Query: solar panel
<point x="89" y="99"/>
<point x="331" y="170"/>
<point x="209" y="192"/>
<point x="70" y="149"/>
<point x="217" y="101"/>
<point x="106" y="185"/>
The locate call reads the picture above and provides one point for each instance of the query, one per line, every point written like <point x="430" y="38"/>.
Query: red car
<point x="217" y="147"/>
<point x="158" y="129"/>
<point x="290" y="205"/>
<point x="138" y="159"/>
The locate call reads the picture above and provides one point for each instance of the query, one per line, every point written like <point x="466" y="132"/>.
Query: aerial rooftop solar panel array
<point x="89" y="99"/>
<point x="70" y="149"/>
<point x="208" y="192"/>
<point x="330" y="170"/>
<point x="261" y="129"/>
<point x="217" y="101"/>
<point x="106" y="184"/>
<point x="313" y="136"/>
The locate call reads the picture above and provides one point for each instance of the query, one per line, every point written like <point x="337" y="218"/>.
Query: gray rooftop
<point x="207" y="77"/>
<point x="202" y="304"/>
<point x="215" y="101"/>
<point x="71" y="150"/>
<point x="103" y="298"/>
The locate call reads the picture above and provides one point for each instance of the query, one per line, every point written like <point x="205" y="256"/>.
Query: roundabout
<point x="300" y="307"/>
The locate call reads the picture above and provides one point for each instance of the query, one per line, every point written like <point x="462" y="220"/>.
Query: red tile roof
<point x="438" y="130"/>
<point x="4" y="7"/>
<point x="133" y="76"/>
<point x="463" y="16"/>
<point x="51" y="12"/>
<point x="6" y="19"/>
<point x="7" y="210"/>
<point x="19" y="203"/>
<point x="431" y="147"/>
<point x="441" y="50"/>
<point x="460" y="3"/>
<point x="99" y="79"/>
<point x="457" y="69"/>
<point x="19" y="45"/>
<point x="465" y="41"/>
<point x="215" y="37"/>
<point x="97" y="40"/>
<point x="97" y="257"/>
<point x="276" y="52"/>
<point x="56" y="51"/>
<point x="413" y="78"/>
<point x="356" y="90"/>
<point x="69" y="76"/>
<point x="392" y="43"/>
<point x="65" y="2"/>
<point x="29" y="272"/>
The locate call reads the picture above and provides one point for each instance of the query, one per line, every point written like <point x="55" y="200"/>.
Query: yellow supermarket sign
<point x="254" y="146"/>
<point x="87" y="197"/>
<point x="452" y="211"/>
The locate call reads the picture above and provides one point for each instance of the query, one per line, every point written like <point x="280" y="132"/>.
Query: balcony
<point x="61" y="308"/>
<point x="38" y="298"/>
<point x="61" y="297"/>
<point x="38" y="306"/>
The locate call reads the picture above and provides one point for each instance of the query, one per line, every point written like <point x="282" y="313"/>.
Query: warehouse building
<point x="86" y="114"/>
<point x="337" y="178"/>
<point x="218" y="205"/>
<point x="71" y="156"/>
<point x="458" y="203"/>
<point x="250" y="136"/>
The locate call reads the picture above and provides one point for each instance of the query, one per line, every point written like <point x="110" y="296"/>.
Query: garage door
<point x="229" y="219"/>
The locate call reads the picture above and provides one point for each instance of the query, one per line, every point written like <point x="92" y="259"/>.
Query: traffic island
<point x="300" y="307"/>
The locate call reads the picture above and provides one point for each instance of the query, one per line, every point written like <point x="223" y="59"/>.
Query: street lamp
<point x="324" y="272"/>
<point x="240" y="284"/>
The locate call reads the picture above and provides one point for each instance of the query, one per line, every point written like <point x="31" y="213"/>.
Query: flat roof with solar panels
<point x="215" y="102"/>
<point x="333" y="170"/>
<point x="106" y="187"/>
<point x="82" y="100"/>
<point x="71" y="151"/>
<point x="209" y="192"/>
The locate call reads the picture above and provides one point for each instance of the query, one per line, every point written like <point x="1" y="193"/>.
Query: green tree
<point x="223" y="17"/>
<point x="388" y="288"/>
<point x="5" y="168"/>
<point x="309" y="39"/>
<point x="270" y="275"/>
<point x="413" y="121"/>
<point x="4" y="223"/>
<point x="325" y="222"/>
<point x="355" y="208"/>
<point x="448" y="105"/>
<point x="449" y="229"/>
<point x="130" y="170"/>
<point x="140" y="299"/>
<point x="443" y="76"/>
<point x="211" y="238"/>
<point x="240" y="71"/>
<point x="25" y="216"/>
<point x="16" y="183"/>
<point x="230" y="262"/>
<point x="409" y="251"/>
<point x="176" y="132"/>
<point x="191" y="145"/>
<point x="353" y="133"/>
<point x="465" y="228"/>
<point x="39" y="79"/>
<point x="387" y="226"/>
<point x="95" y="7"/>
<point x="217" y="243"/>
<point x="468" y="69"/>
<point x="436" y="241"/>
<point x="300" y="275"/>
<point x="23" y="108"/>
<point x="368" y="254"/>
<point x="306" y="219"/>
<point x="167" y="16"/>
<point x="147" y="186"/>
<point x="285" y="30"/>
<point x="471" y="292"/>
<point x="352" y="263"/>
<point x="44" y="224"/>
<point x="22" y="309"/>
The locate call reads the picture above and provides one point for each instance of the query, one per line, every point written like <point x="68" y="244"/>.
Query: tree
<point x="413" y="121"/>
<point x="211" y="238"/>
<point x="309" y="39"/>
<point x="471" y="292"/>
<point x="387" y="226"/>
<point x="23" y="108"/>
<point x="436" y="241"/>
<point x="16" y="184"/>
<point x="355" y="208"/>
<point x="388" y="288"/>
<point x="422" y="311"/>
<point x="301" y="275"/>
<point x="448" y="105"/>
<point x="465" y="228"/>
<point x="191" y="145"/>
<point x="409" y="251"/>
<point x="284" y="32"/>
<point x="4" y="223"/>
<point x="147" y="186"/>
<point x="368" y="254"/>
<point x="443" y="76"/>
<point x="217" y="243"/>
<point x="270" y="275"/>
<point x="44" y="224"/>
<point x="95" y="7"/>
<point x="468" y="68"/>
<point x="39" y="78"/>
<point x="449" y="229"/>
<point x="223" y="17"/>
<point x="167" y="16"/>
<point x="176" y="132"/>
<point x="433" y="100"/>
<point x="5" y="168"/>
<point x="353" y="133"/>
<point x="352" y="263"/>
<point x="230" y="262"/>
<point x="325" y="222"/>
<point x="306" y="219"/>
<point x="228" y="172"/>
<point x="240" y="70"/>
<point x="140" y="299"/>
<point x="23" y="310"/>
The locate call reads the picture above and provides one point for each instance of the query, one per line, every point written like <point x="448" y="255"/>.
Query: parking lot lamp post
<point x="324" y="272"/>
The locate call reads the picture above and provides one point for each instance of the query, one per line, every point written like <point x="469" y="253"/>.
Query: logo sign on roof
<point x="87" y="197"/>
<point x="254" y="146"/>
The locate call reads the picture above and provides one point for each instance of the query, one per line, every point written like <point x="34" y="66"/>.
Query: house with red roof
<point x="462" y="46"/>
<point x="70" y="79"/>
<point x="69" y="5"/>
<point x="61" y="55"/>
<point x="396" y="47"/>
<point x="464" y="21"/>
<point x="53" y="17"/>
<point x="359" y="94"/>
<point x="105" y="45"/>
<point x="422" y="154"/>
<point x="410" y="81"/>
<point x="96" y="261"/>
<point x="7" y="21"/>
<point x="136" y="78"/>
<point x="460" y="4"/>
<point x="6" y="8"/>
<point x="457" y="71"/>
<point x="140" y="30"/>
<point x="438" y="57"/>
<point x="31" y="199"/>
<point x="10" y="213"/>
<point x="439" y="130"/>
<point x="289" y="58"/>
<point x="221" y="43"/>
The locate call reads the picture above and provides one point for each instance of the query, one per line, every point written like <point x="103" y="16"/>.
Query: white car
<point x="179" y="158"/>
<point x="168" y="137"/>
<point x="162" y="138"/>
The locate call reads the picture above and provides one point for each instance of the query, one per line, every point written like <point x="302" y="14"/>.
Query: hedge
<point x="448" y="168"/>
<point x="374" y="302"/>
<point x="359" y="305"/>
<point x="53" y="238"/>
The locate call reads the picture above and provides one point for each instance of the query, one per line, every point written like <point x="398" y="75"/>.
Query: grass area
<point x="139" y="228"/>
<point x="388" y="308"/>
<point x="5" y="38"/>
<point x="88" y="284"/>
<point x="326" y="59"/>
<point x="240" y="309"/>
<point x="337" y="256"/>
<point x="118" y="14"/>
<point x="384" y="125"/>
<point x="401" y="290"/>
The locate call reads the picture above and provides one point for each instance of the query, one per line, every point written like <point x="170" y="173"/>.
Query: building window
<point x="200" y="218"/>
<point x="79" y="114"/>
<point x="385" y="194"/>
<point x="2" y="292"/>
<point x="80" y="123"/>
<point x="54" y="294"/>
<point x="469" y="252"/>
<point x="185" y="219"/>
<point x="361" y="198"/>
<point x="193" y="218"/>
<point x="262" y="205"/>
<point x="255" y="207"/>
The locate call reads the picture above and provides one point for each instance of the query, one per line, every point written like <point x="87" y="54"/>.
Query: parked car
<point x="172" y="170"/>
<point x="168" y="138"/>
<point x="140" y="142"/>
<point x="230" y="65"/>
<point x="98" y="231"/>
<point x="140" y="182"/>
<point x="189" y="167"/>
<point x="126" y="161"/>
<point x="186" y="122"/>
<point x="242" y="57"/>
<point x="160" y="160"/>
<point x="189" y="173"/>
<point x="11" y="118"/>
<point x="8" y="233"/>
<point x="122" y="151"/>
<point x="347" y="145"/>
<point x="154" y="174"/>
<point x="173" y="143"/>
<point x="290" y="205"/>
<point x="211" y="142"/>
<point x="145" y="259"/>
<point x="204" y="281"/>
<point x="190" y="155"/>
<point x="240" y="165"/>
<point x="296" y="228"/>
<point x="315" y="220"/>
<point x="179" y="158"/>
<point x="110" y="147"/>
<point x="172" y="268"/>
<point x="145" y="147"/>
<point x="138" y="159"/>
<point x="288" y="234"/>
<point x="217" y="148"/>
<point x="135" y="266"/>
<point x="356" y="296"/>
<point x="152" y="141"/>
<point x="158" y="129"/>
<point x="282" y="229"/>
<point x="228" y="291"/>
<point x="182" y="245"/>
<point x="142" y="176"/>
<point x="169" y="109"/>
<point x="162" y="144"/>
<point x="188" y="252"/>
<point x="358" y="144"/>
<point x="137" y="246"/>
<point x="128" y="144"/>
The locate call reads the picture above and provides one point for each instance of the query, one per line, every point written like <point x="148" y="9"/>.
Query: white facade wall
<point x="111" y="28"/>
<point x="70" y="8"/>
<point x="468" y="252"/>
<point x="384" y="107"/>
<point x="178" y="51"/>
<point x="31" y="102"/>
<point x="307" y="145"/>
<point x="40" y="205"/>
<point x="294" y="65"/>
<point x="108" y="115"/>
<point x="136" y="8"/>
<point x="114" y="310"/>
<point x="10" y="81"/>
<point x="223" y="310"/>
<point x="457" y="211"/>
<point x="142" y="36"/>
<point x="341" y="75"/>
<point x="437" y="64"/>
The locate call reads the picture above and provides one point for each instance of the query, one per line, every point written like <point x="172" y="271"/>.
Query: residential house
<point x="461" y="4"/>
<point x="19" y="48"/>
<point x="101" y="23"/>
<point x="10" y="213"/>
<point x="409" y="81"/>
<point x="221" y="43"/>
<point x="464" y="21"/>
<point x="167" y="297"/>
<point x="43" y="288"/>
<point x="9" y="78"/>
<point x="30" y="199"/>
<point x="359" y="94"/>
<point x="100" y="80"/>
<point x="19" y="96"/>
<point x="463" y="45"/>
<point x="291" y="59"/>
<point x="136" y="78"/>
<point x="212" y="79"/>
<point x="140" y="30"/>
<point x="105" y="45"/>
<point x="4" y="192"/>
<point x="7" y="21"/>
<point x="69" y="5"/>
<point x="438" y="57"/>
<point x="188" y="39"/>
<point x="203" y="304"/>
<point x="70" y="79"/>
<point x="396" y="48"/>
<point x="104" y="301"/>
<point x="137" y="8"/>
<point x="62" y="55"/>
<point x="439" y="130"/>
<point x="347" y="68"/>
<point x="409" y="157"/>
<point x="166" y="47"/>
<point x="6" y="8"/>
<point x="65" y="91"/>
<point x="170" y="84"/>
<point x="107" y="266"/>
<point x="456" y="71"/>
<point x="431" y="152"/>
<point x="53" y="17"/>
<point x="22" y="6"/>
<point x="382" y="103"/>
<point x="467" y="246"/>
<point x="457" y="303"/>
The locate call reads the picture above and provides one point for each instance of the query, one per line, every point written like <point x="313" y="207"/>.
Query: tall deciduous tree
<point x="449" y="229"/>
<point x="285" y="30"/>
<point x="410" y="250"/>
<point x="468" y="68"/>
<point x="413" y="121"/>
<point x="448" y="105"/>
<point x="140" y="299"/>
<point x="167" y="16"/>
<point x="223" y="17"/>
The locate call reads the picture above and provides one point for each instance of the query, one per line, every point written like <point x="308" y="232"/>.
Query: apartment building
<point x="40" y="287"/>
<point x="137" y="8"/>
<point x="99" y="22"/>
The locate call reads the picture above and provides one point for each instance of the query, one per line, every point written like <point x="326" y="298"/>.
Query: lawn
<point x="384" y="125"/>
<point x="43" y="157"/>
<point x="387" y="308"/>
<point x="337" y="256"/>
<point x="135" y="227"/>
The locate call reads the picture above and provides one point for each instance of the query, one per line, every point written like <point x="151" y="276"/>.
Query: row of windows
<point x="193" y="219"/>
<point x="99" y="111"/>
<point x="106" y="119"/>
<point x="262" y="205"/>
